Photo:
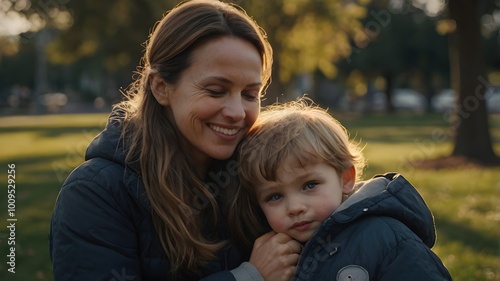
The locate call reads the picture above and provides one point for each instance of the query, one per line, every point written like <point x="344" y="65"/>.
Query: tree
<point x="470" y="124"/>
<point x="107" y="36"/>
<point x="472" y="137"/>
<point x="404" y="49"/>
<point x="96" y="43"/>
<point x="307" y="36"/>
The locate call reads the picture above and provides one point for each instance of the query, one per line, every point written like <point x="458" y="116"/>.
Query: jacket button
<point x="352" y="273"/>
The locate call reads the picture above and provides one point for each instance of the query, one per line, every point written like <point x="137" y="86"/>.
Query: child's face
<point x="303" y="197"/>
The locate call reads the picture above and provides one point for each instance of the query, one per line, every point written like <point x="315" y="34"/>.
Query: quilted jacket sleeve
<point x="94" y="231"/>
<point x="412" y="261"/>
<point x="245" y="272"/>
<point x="91" y="237"/>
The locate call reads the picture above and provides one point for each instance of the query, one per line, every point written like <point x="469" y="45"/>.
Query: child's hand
<point x="275" y="255"/>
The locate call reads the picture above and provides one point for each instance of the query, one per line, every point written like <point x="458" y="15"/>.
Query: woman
<point x="150" y="201"/>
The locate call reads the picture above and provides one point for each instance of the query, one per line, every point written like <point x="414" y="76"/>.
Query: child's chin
<point x="301" y="239"/>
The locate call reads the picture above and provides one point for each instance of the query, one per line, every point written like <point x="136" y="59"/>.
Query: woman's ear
<point x="161" y="90"/>
<point x="348" y="180"/>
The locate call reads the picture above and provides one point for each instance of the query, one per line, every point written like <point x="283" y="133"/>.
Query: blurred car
<point x="402" y="99"/>
<point x="408" y="99"/>
<point x="445" y="100"/>
<point x="54" y="101"/>
<point x="492" y="96"/>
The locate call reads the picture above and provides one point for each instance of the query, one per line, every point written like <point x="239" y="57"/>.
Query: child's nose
<point x="295" y="206"/>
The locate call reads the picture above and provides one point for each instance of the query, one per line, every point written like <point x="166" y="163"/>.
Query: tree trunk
<point x="278" y="91"/>
<point x="389" y="90"/>
<point x="41" y="73"/>
<point x="472" y="136"/>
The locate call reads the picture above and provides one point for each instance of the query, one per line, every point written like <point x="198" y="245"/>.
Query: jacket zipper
<point x="305" y="247"/>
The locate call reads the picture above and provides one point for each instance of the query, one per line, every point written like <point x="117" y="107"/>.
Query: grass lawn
<point x="465" y="202"/>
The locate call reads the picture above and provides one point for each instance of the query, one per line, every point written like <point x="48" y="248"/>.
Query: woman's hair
<point x="173" y="188"/>
<point x="296" y="131"/>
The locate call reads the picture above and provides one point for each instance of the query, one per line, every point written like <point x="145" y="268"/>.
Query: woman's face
<point x="217" y="99"/>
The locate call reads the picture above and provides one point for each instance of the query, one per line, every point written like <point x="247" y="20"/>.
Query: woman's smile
<point x="225" y="131"/>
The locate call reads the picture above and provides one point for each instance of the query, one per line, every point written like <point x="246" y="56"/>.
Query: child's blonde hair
<point x="294" y="131"/>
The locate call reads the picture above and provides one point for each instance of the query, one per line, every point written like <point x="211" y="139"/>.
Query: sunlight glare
<point x="13" y="23"/>
<point x="432" y="8"/>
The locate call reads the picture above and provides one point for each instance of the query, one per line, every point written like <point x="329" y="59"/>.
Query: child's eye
<point x="274" y="197"/>
<point x="310" y="185"/>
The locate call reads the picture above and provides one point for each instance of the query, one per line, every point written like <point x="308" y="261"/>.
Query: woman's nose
<point x="234" y="108"/>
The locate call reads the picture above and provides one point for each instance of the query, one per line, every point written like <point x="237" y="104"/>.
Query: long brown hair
<point x="172" y="187"/>
<point x="294" y="130"/>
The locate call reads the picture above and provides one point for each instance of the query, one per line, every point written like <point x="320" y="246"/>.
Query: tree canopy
<point x="91" y="45"/>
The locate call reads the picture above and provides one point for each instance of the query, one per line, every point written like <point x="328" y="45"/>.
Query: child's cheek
<point x="323" y="211"/>
<point x="277" y="223"/>
<point x="275" y="217"/>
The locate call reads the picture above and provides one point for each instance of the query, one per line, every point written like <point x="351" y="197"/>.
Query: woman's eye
<point x="251" y="95"/>
<point x="216" y="92"/>
<point x="310" y="185"/>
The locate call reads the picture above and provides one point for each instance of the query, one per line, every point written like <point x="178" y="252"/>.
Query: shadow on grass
<point x="53" y="167"/>
<point x="478" y="241"/>
<point x="405" y="134"/>
<point x="395" y="120"/>
<point x="48" y="131"/>
<point x="39" y="159"/>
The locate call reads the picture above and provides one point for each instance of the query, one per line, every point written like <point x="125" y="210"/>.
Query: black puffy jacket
<point x="101" y="227"/>
<point x="382" y="232"/>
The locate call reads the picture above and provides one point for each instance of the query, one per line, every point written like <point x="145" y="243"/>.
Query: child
<point x="299" y="165"/>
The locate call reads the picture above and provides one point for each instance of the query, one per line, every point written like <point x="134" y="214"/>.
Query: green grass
<point x="45" y="149"/>
<point x="465" y="202"/>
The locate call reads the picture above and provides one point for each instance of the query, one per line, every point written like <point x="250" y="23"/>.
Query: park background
<point x="416" y="82"/>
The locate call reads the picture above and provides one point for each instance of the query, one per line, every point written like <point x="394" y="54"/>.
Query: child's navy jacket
<point x="384" y="231"/>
